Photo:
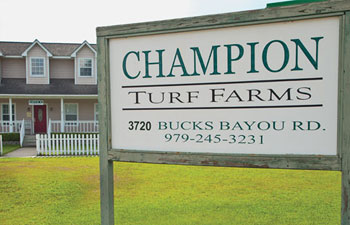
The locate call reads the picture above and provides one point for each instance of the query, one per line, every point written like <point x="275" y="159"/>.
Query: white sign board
<point x="258" y="89"/>
<point x="36" y="102"/>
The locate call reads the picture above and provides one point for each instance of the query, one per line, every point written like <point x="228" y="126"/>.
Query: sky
<point x="74" y="21"/>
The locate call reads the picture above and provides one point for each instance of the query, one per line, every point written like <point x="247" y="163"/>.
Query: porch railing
<point x="5" y="126"/>
<point x="54" y="126"/>
<point x="22" y="132"/>
<point x="80" y="126"/>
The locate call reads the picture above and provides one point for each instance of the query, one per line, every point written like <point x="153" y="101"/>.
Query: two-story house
<point x="49" y="87"/>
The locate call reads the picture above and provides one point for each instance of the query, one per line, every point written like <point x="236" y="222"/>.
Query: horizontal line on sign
<point x="231" y="82"/>
<point x="227" y="107"/>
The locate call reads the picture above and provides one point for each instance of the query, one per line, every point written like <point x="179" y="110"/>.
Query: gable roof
<point x="74" y="54"/>
<point x="8" y="48"/>
<point x="36" y="42"/>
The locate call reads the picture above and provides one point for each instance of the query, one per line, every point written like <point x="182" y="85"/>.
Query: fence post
<point x="87" y="144"/>
<point x="83" y="143"/>
<point x="98" y="144"/>
<point x="37" y="144"/>
<point x="94" y="136"/>
<point x="59" y="137"/>
<point x="45" y="145"/>
<point x="49" y="128"/>
<point x="71" y="146"/>
<point x="52" y="137"/>
<point x="21" y="132"/>
<point x="75" y="145"/>
<point x="0" y="145"/>
<point x="68" y="146"/>
<point x="79" y="144"/>
<point x="49" y="143"/>
<point x="90" y="140"/>
<point x="54" y="144"/>
<point x="64" y="144"/>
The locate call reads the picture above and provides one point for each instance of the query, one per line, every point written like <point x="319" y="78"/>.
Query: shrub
<point x="10" y="136"/>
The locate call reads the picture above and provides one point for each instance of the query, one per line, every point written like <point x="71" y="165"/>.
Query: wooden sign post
<point x="259" y="89"/>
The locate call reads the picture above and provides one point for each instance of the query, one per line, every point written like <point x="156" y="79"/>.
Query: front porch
<point x="46" y="115"/>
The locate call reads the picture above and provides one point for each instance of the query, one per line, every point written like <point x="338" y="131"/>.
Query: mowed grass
<point x="9" y="148"/>
<point x="66" y="191"/>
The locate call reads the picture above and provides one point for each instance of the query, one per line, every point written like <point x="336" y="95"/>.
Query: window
<point x="5" y="116"/>
<point x="37" y="67"/>
<point x="71" y="112"/>
<point x="96" y="112"/>
<point x="85" y="67"/>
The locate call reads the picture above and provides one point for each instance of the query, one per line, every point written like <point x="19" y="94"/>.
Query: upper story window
<point x="37" y="67"/>
<point x="85" y="67"/>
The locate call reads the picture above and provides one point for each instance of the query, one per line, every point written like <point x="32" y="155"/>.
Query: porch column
<point x="62" y="115"/>
<point x="10" y="114"/>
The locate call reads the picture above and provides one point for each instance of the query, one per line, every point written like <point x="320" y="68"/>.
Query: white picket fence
<point x="0" y="145"/>
<point x="67" y="144"/>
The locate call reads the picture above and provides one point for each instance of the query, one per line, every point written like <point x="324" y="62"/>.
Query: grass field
<point x="66" y="191"/>
<point x="9" y="148"/>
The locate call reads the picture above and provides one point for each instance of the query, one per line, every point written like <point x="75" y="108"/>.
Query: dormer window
<point x="37" y="66"/>
<point x="85" y="67"/>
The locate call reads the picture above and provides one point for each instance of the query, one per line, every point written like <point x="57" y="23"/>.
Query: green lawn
<point x="66" y="191"/>
<point x="9" y="148"/>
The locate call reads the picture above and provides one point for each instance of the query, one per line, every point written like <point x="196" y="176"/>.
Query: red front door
<point x="40" y="119"/>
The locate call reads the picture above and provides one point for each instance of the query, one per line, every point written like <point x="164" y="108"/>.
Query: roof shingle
<point x="56" y="49"/>
<point x="56" y="87"/>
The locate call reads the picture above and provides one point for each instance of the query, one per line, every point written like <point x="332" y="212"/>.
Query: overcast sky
<point x="76" y="20"/>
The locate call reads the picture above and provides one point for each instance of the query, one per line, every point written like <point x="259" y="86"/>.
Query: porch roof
<point x="56" y="87"/>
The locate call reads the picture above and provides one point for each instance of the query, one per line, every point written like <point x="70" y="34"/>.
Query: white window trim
<point x="71" y="121"/>
<point x="30" y="67"/>
<point x="92" y="67"/>
<point x="2" y="113"/>
<point x="95" y="110"/>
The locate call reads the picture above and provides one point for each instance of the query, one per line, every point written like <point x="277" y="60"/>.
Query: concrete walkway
<point x="22" y="153"/>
